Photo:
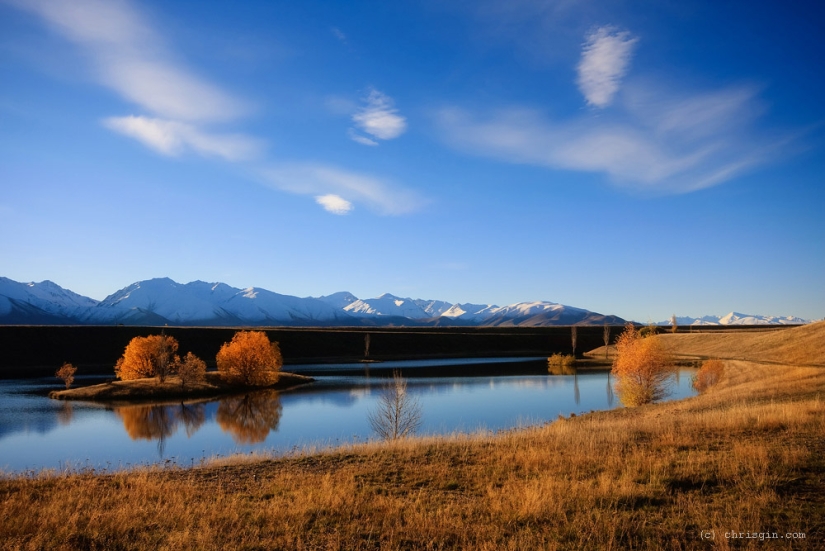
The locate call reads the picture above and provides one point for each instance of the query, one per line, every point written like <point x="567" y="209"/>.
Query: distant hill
<point x="163" y="301"/>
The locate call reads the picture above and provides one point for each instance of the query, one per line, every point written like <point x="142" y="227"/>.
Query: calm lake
<point x="39" y="433"/>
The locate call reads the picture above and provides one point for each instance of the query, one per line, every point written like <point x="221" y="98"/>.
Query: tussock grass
<point x="748" y="455"/>
<point x="803" y="345"/>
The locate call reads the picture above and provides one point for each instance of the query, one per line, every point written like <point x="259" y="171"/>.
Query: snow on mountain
<point x="535" y="314"/>
<point x="470" y="312"/>
<point x="387" y="305"/>
<point x="433" y="308"/>
<point x="163" y="301"/>
<point x="339" y="300"/>
<point x="46" y="297"/>
<point x="199" y="302"/>
<point x="175" y="302"/>
<point x="258" y="305"/>
<point x="735" y="318"/>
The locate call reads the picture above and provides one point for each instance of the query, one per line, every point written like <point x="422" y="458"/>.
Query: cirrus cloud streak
<point x="172" y="138"/>
<point x="658" y="141"/>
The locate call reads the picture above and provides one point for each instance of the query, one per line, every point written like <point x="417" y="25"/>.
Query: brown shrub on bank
<point x="190" y="369"/>
<point x="643" y="368"/>
<point x="561" y="364"/>
<point x="66" y="373"/>
<point x="708" y="375"/>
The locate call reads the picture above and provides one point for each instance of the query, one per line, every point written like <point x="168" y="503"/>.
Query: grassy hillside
<point x="803" y="345"/>
<point x="748" y="456"/>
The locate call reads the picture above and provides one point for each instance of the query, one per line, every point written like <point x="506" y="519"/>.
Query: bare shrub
<point x="606" y="336"/>
<point x="398" y="414"/>
<point x="574" y="337"/>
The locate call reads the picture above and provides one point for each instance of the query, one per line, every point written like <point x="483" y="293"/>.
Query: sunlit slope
<point x="803" y="345"/>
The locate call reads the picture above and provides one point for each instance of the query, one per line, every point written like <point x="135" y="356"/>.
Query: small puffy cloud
<point x="315" y="179"/>
<point x="334" y="203"/>
<point x="173" y="138"/>
<point x="605" y="59"/>
<point x="379" y="118"/>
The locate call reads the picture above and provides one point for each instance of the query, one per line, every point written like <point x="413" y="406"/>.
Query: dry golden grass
<point x="749" y="455"/>
<point x="803" y="345"/>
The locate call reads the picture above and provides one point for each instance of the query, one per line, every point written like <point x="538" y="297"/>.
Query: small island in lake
<point x="150" y="389"/>
<point x="149" y="370"/>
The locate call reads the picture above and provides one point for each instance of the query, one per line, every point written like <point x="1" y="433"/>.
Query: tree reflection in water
<point x="610" y="397"/>
<point x="191" y="417"/>
<point x="158" y="422"/>
<point x="250" y="417"/>
<point x="65" y="413"/>
<point x="576" y="394"/>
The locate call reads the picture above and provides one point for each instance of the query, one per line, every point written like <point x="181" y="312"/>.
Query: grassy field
<point x="746" y="457"/>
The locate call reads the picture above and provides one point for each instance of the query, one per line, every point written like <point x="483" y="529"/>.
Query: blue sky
<point x="632" y="158"/>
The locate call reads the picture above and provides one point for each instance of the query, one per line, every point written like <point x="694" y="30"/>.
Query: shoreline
<point x="150" y="390"/>
<point x="747" y="453"/>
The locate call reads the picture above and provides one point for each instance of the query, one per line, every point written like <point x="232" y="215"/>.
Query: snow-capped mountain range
<point x="735" y="318"/>
<point x="166" y="302"/>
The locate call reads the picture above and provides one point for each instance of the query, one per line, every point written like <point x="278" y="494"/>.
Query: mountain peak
<point x="162" y="300"/>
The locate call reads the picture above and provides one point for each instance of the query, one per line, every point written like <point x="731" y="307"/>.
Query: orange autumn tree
<point x="708" y="375"/>
<point x="66" y="373"/>
<point x="152" y="356"/>
<point x="250" y="359"/>
<point x="643" y="368"/>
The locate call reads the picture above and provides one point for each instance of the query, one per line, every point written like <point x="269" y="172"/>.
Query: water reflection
<point x="561" y="369"/>
<point x="38" y="432"/>
<point x="576" y="393"/>
<point x="610" y="397"/>
<point x="250" y="417"/>
<point x="158" y="422"/>
<point x="65" y="413"/>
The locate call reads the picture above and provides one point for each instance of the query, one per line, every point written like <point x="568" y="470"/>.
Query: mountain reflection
<point x="249" y="418"/>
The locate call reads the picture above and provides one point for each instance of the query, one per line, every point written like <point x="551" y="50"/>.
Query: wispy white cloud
<point x="339" y="34"/>
<point x="675" y="144"/>
<point x="377" y="193"/>
<point x="131" y="59"/>
<point x="334" y="203"/>
<point x="379" y="118"/>
<point x="604" y="61"/>
<point x="173" y="138"/>
<point x="358" y="138"/>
